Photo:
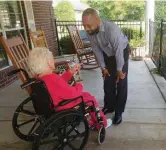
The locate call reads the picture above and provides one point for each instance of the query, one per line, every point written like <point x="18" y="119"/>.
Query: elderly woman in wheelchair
<point x="63" y="114"/>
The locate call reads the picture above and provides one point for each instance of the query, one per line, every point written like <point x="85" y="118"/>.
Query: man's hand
<point x="105" y="73"/>
<point x="121" y="75"/>
<point x="75" y="68"/>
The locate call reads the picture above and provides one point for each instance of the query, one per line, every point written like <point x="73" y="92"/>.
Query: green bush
<point x="136" y="43"/>
<point x="64" y="11"/>
<point x="132" y="33"/>
<point x="66" y="45"/>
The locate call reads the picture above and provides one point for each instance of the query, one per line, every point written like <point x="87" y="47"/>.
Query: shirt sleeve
<point x="67" y="75"/>
<point x="116" y="42"/>
<point x="99" y="54"/>
<point x="65" y="91"/>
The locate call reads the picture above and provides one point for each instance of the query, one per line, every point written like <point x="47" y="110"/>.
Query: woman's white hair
<point x="38" y="60"/>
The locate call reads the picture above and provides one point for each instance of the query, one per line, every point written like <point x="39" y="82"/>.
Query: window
<point x="10" y="34"/>
<point x="3" y="57"/>
<point x="11" y="24"/>
<point x="11" y="16"/>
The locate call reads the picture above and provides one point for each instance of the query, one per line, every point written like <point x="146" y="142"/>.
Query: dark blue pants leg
<point x="110" y="85"/>
<point x="122" y="90"/>
<point x="116" y="93"/>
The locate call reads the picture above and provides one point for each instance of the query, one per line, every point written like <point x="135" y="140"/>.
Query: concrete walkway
<point x="144" y="121"/>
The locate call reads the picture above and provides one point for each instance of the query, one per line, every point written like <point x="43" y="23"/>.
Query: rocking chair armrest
<point x="61" y="63"/>
<point x="87" y="45"/>
<point x="85" y="48"/>
<point x="84" y="51"/>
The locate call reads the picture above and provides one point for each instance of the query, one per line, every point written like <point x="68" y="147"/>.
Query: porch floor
<point x="144" y="121"/>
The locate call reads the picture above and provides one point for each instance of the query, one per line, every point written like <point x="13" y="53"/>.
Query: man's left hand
<point x="75" y="68"/>
<point x="121" y="75"/>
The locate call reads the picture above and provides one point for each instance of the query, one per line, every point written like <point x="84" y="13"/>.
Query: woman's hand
<point x="75" y="68"/>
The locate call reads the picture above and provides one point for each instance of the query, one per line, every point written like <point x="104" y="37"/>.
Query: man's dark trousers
<point x="116" y="93"/>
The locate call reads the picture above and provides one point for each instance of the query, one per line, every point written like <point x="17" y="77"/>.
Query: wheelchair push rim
<point x="29" y="121"/>
<point x="64" y="134"/>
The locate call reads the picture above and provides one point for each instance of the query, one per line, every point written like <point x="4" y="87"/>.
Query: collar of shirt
<point x="102" y="26"/>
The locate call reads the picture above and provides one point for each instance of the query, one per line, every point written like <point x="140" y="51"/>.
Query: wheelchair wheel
<point x="65" y="133"/>
<point x="25" y="121"/>
<point x="101" y="135"/>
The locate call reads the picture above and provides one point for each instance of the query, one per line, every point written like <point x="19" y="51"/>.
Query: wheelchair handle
<point x="28" y="83"/>
<point x="17" y="71"/>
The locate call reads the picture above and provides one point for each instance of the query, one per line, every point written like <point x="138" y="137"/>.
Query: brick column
<point x="44" y="18"/>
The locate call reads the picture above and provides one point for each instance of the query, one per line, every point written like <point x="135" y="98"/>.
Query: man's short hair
<point x="90" y="11"/>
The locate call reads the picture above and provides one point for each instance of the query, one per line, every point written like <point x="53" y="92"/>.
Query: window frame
<point x="4" y="30"/>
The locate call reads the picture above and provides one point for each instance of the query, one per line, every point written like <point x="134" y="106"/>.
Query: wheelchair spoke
<point x="27" y="112"/>
<point x="60" y="146"/>
<point x="72" y="137"/>
<point x="64" y="129"/>
<point x="26" y="122"/>
<point x="64" y="132"/>
<point x="33" y="127"/>
<point x="51" y="141"/>
<point x="78" y="133"/>
<point x="71" y="146"/>
<point x="71" y="130"/>
<point x="57" y="146"/>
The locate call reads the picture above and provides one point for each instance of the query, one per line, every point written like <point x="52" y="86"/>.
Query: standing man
<point x="112" y="51"/>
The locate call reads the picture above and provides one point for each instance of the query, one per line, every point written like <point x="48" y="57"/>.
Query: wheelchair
<point x="36" y="120"/>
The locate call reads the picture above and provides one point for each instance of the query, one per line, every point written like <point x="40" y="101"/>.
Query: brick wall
<point x="4" y="79"/>
<point x="44" y="18"/>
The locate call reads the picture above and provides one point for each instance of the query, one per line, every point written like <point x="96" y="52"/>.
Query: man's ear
<point x="98" y="20"/>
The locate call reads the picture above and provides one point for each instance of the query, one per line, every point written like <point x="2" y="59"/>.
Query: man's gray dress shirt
<point x="112" y="41"/>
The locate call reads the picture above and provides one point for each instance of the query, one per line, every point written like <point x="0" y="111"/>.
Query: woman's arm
<point x="67" y="75"/>
<point x="65" y="91"/>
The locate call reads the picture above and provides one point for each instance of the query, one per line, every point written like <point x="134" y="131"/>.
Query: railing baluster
<point x="129" y="25"/>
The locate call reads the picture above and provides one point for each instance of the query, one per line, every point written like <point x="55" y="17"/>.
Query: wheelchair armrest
<point x="28" y="83"/>
<point x="90" y="101"/>
<point x="67" y="101"/>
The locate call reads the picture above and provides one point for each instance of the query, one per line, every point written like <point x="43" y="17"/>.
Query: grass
<point x="155" y="71"/>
